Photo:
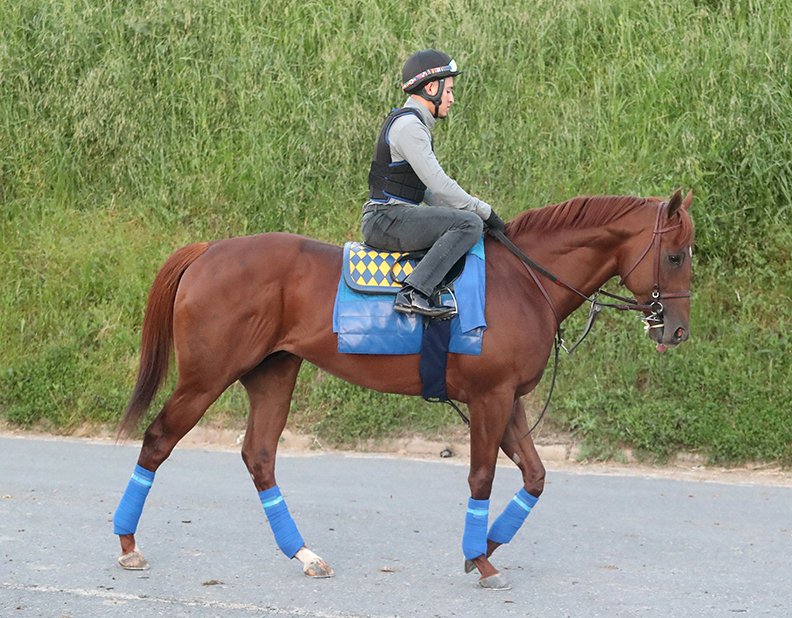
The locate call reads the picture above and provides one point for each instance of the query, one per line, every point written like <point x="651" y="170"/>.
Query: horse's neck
<point x="582" y="258"/>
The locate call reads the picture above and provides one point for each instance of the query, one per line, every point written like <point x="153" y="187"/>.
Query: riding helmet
<point x="426" y="66"/>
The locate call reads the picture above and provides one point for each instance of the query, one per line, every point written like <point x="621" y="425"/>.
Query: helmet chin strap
<point x="435" y="99"/>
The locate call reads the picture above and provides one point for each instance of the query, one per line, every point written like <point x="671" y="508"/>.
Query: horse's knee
<point x="480" y="481"/>
<point x="535" y="480"/>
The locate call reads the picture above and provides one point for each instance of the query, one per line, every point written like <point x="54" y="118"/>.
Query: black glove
<point x="494" y="223"/>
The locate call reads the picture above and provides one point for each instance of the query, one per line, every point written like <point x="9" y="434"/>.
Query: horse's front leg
<point x="518" y="445"/>
<point x="489" y="415"/>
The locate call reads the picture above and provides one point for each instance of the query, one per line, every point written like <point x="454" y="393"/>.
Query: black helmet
<point x="426" y="66"/>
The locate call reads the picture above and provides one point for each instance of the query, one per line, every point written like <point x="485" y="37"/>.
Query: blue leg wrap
<point x="127" y="514"/>
<point x="513" y="516"/>
<point x="280" y="520"/>
<point x="474" y="540"/>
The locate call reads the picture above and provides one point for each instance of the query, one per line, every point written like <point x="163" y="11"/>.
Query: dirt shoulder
<point x="557" y="454"/>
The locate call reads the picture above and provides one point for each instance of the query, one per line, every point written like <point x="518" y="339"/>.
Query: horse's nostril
<point x="679" y="333"/>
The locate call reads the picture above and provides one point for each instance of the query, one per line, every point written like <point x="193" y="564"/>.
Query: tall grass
<point x="129" y="129"/>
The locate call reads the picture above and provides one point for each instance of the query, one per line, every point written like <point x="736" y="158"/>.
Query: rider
<point x="405" y="173"/>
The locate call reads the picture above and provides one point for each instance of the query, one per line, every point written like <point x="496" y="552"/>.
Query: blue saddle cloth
<point x="366" y="323"/>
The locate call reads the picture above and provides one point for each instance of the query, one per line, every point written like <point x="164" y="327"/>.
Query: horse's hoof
<point x="313" y="565"/>
<point x="495" y="582"/>
<point x="469" y="566"/>
<point x="133" y="561"/>
<point x="318" y="569"/>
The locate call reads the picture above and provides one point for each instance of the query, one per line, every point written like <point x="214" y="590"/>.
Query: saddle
<point x="373" y="271"/>
<point x="363" y="314"/>
<point x="366" y="323"/>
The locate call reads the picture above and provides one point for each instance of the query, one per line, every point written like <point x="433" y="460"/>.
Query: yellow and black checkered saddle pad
<point x="374" y="271"/>
<point x="367" y="269"/>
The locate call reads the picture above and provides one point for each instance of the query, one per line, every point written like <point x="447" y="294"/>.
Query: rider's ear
<point x="688" y="200"/>
<point x="431" y="88"/>
<point x="674" y="203"/>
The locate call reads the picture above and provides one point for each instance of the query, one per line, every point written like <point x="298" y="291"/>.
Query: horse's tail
<point x="157" y="340"/>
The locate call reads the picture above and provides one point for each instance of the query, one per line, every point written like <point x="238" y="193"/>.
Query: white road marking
<point x="123" y="596"/>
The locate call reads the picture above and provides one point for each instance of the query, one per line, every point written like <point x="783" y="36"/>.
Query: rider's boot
<point x="410" y="300"/>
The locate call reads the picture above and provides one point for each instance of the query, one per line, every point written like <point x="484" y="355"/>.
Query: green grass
<point x="127" y="130"/>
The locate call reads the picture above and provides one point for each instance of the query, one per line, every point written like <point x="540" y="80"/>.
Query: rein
<point x="655" y="307"/>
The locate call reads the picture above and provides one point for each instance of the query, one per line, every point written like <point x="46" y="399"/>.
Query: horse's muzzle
<point x="667" y="335"/>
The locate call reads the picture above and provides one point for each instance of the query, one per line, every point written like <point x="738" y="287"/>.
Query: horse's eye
<point x="675" y="259"/>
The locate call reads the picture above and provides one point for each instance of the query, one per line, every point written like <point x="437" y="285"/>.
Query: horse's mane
<point x="584" y="211"/>
<point x="581" y="211"/>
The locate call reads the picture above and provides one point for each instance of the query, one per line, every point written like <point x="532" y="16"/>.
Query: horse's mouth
<point x="657" y="333"/>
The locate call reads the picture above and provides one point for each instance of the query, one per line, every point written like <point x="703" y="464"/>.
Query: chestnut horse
<point x="253" y="308"/>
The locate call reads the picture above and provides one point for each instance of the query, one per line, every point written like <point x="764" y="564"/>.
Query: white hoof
<point x="313" y="565"/>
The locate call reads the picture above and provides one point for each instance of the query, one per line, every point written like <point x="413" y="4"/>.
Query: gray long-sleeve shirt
<point x="411" y="140"/>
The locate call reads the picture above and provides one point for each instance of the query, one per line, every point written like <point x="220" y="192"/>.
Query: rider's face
<point x="448" y="95"/>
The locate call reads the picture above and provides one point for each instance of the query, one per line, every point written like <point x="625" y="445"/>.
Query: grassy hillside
<point x="128" y="130"/>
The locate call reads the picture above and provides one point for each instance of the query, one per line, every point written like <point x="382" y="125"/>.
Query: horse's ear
<point x="674" y="203"/>
<point x="688" y="200"/>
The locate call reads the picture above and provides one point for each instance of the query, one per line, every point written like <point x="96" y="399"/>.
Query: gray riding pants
<point x="448" y="233"/>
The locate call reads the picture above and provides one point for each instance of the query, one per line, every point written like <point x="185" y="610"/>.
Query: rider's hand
<point x="494" y="223"/>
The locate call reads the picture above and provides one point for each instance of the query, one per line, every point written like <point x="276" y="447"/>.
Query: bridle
<point x="654" y="307"/>
<point x="655" y="319"/>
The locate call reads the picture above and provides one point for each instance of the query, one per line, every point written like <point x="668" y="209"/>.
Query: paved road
<point x="594" y="546"/>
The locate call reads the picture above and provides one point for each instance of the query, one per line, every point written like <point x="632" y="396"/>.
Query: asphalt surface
<point x="594" y="545"/>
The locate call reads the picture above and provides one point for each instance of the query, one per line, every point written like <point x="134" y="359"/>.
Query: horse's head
<point x="656" y="267"/>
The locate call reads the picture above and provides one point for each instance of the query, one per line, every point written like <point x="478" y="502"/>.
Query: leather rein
<point x="655" y="307"/>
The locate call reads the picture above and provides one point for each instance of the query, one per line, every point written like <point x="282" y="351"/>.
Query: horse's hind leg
<point x="180" y="413"/>
<point x="519" y="447"/>
<point x="270" y="387"/>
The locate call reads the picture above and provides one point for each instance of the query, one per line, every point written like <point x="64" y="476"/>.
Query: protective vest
<point x="388" y="179"/>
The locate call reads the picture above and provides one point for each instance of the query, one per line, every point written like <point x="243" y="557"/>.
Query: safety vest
<point x="388" y="179"/>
